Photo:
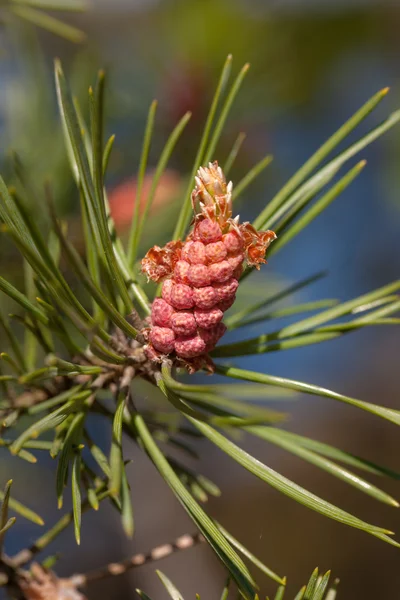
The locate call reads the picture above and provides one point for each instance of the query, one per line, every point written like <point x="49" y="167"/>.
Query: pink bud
<point x="232" y="242"/>
<point x="183" y="323"/>
<point x="208" y="231"/>
<point x="181" y="271"/>
<point x="226" y="290"/>
<point x="182" y="296"/>
<point x="162" y="339"/>
<point x="206" y="319"/>
<point x="198" y="276"/>
<point x="190" y="347"/>
<point x="194" y="252"/>
<point x="161" y="313"/>
<point x="216" y="252"/>
<point x="220" y="272"/>
<point x="167" y="289"/>
<point x="205" y="297"/>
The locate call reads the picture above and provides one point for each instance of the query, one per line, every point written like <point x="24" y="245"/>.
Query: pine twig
<point x="183" y="542"/>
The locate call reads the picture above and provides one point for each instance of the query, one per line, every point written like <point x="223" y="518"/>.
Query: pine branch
<point x="103" y="339"/>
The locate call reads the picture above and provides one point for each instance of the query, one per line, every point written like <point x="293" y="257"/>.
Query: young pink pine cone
<point x="201" y="275"/>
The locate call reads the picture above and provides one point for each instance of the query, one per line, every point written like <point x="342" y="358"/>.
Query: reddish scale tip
<point x="205" y="297"/>
<point x="226" y="304"/>
<point x="220" y="272"/>
<point x="167" y="290"/>
<point x="225" y="291"/>
<point x="208" y="231"/>
<point x="215" y="252"/>
<point x="183" y="323"/>
<point x="190" y="347"/>
<point x="161" y="313"/>
<point x="237" y="273"/>
<point x="206" y="319"/>
<point x="194" y="252"/>
<point x="235" y="261"/>
<point x="232" y="242"/>
<point x="182" y="296"/>
<point x="163" y="339"/>
<point x="211" y="336"/>
<point x="181" y="270"/>
<point x="199" y="276"/>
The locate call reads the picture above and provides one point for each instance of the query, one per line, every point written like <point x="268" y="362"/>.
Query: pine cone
<point x="201" y="275"/>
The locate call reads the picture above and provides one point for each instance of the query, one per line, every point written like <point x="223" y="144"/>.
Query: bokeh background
<point x="312" y="65"/>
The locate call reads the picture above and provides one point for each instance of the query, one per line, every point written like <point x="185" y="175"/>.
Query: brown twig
<point x="137" y="560"/>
